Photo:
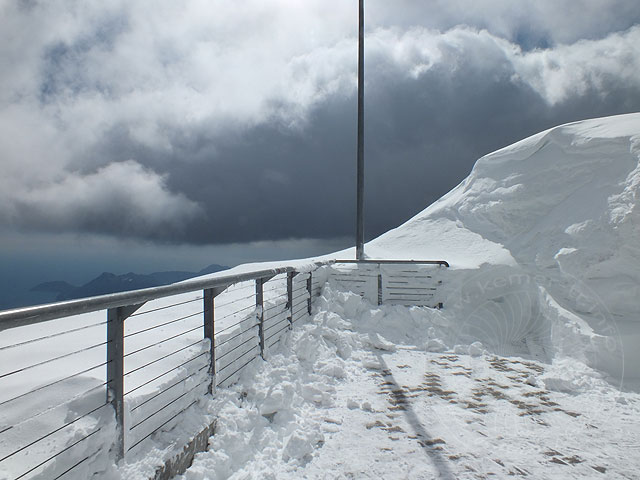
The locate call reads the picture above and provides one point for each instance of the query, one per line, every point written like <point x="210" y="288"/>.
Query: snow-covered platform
<point x="354" y="394"/>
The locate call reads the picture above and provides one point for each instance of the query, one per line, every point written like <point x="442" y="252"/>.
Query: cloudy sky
<point x="152" y="134"/>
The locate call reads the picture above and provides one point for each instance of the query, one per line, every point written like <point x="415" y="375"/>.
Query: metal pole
<point x="209" y="332"/>
<point x="360" y="171"/>
<point x="309" y="287"/>
<point x="209" y="324"/>
<point x="115" y="373"/>
<point x="290" y="276"/>
<point x="115" y="369"/>
<point x="260" y="308"/>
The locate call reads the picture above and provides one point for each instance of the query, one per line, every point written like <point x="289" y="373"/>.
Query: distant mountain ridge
<point x="110" y="283"/>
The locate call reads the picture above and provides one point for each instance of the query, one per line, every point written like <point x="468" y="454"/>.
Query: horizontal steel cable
<point x="238" y="358"/>
<point x="154" y="431"/>
<point x="305" y="294"/>
<point x="231" y="302"/>
<point x="165" y="373"/>
<point x="236" y="371"/>
<point x="164" y="324"/>
<point x="138" y="314"/>
<point x="276" y="341"/>
<point x="271" y="307"/>
<point x="58" y="454"/>
<point x="303" y="309"/>
<point x="165" y="390"/>
<point x="76" y="464"/>
<point x="168" y="404"/>
<point x="279" y="331"/>
<point x="235" y="324"/>
<point x="304" y="301"/>
<point x="54" y="431"/>
<point x="226" y="340"/>
<point x="241" y="344"/>
<point x="44" y="362"/>
<point x="275" y="324"/>
<point x="52" y="383"/>
<point x="199" y="327"/>
<point x="53" y="335"/>
<point x="164" y="356"/>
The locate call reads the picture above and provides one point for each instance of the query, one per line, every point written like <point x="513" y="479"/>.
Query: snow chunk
<point x="476" y="349"/>
<point x="435" y="345"/>
<point x="335" y="370"/>
<point x="377" y="341"/>
<point x="279" y="397"/>
<point x="461" y="349"/>
<point x="300" y="446"/>
<point x="572" y="376"/>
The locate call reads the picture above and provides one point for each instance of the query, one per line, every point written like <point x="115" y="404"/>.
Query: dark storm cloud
<point x="423" y="135"/>
<point x="530" y="24"/>
<point x="129" y="123"/>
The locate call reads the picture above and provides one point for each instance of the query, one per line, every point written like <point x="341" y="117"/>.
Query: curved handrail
<point x="40" y="313"/>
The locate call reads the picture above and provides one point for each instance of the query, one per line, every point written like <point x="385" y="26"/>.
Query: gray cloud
<point x="531" y="24"/>
<point x="225" y="122"/>
<point x="122" y="198"/>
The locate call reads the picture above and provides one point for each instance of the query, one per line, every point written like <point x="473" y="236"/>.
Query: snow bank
<point x="341" y="394"/>
<point x="272" y="422"/>
<point x="542" y="238"/>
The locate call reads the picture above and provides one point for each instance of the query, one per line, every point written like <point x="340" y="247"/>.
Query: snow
<point x="531" y="368"/>
<point x="166" y="362"/>
<point x="554" y="220"/>
<point x="320" y="409"/>
<point x="528" y="367"/>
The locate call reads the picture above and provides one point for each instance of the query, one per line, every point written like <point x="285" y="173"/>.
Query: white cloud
<point x="152" y="63"/>
<point x="134" y="201"/>
<point x="596" y="66"/>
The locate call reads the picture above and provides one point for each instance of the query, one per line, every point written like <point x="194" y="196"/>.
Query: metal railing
<point x="396" y="282"/>
<point x="78" y="387"/>
<point x="155" y="354"/>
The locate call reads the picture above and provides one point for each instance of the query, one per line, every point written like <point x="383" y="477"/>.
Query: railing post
<point x="260" y="309"/>
<point x="115" y="367"/>
<point x="115" y="373"/>
<point x="309" y="281"/>
<point x="380" y="285"/>
<point x="209" y="323"/>
<point x="209" y="332"/>
<point x="290" y="276"/>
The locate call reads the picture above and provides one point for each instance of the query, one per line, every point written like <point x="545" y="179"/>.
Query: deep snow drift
<point x="542" y="238"/>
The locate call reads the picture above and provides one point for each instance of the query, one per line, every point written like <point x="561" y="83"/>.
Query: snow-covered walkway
<point x="427" y="416"/>
<point x="354" y="394"/>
